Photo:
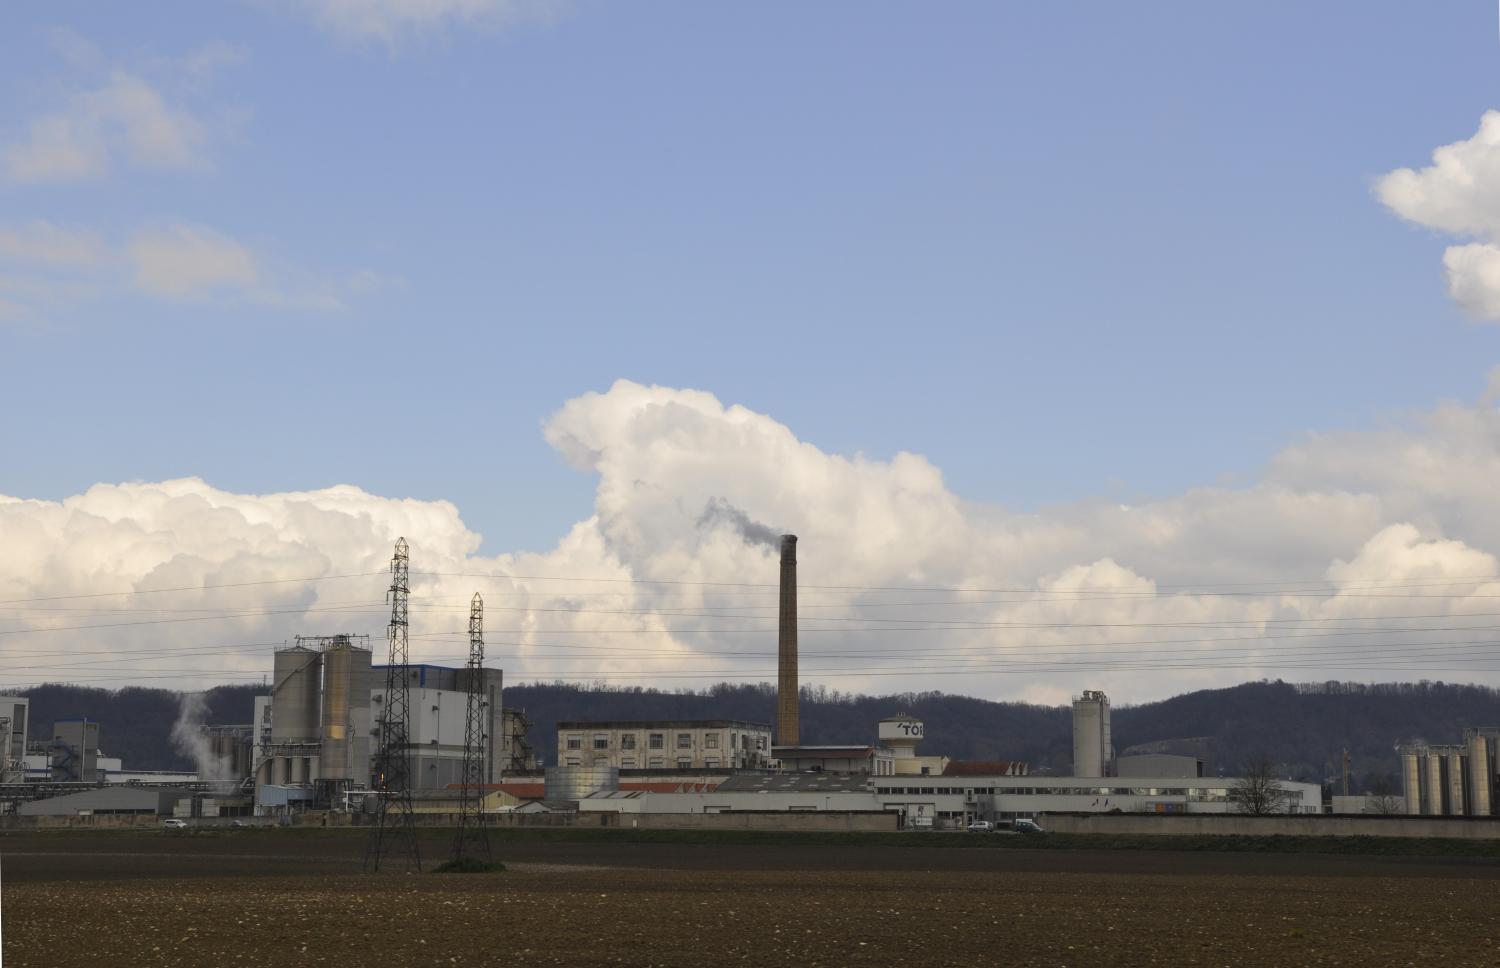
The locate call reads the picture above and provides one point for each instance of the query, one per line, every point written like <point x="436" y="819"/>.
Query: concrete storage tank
<point x="1411" y="780"/>
<point x="1455" y="761"/>
<point x="294" y="707"/>
<point x="1480" y="774"/>
<point x="1092" y="754"/>
<point x="577" y="782"/>
<point x="1433" y="805"/>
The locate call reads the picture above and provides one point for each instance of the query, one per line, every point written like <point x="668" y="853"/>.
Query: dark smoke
<point x="720" y="511"/>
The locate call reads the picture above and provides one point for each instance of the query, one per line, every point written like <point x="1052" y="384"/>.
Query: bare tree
<point x="1380" y="797"/>
<point x="1257" y="790"/>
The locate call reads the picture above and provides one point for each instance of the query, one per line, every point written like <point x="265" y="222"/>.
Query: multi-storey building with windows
<point x="693" y="744"/>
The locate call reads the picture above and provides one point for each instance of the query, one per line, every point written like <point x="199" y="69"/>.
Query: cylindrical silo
<point x="1411" y="781"/>
<point x="1089" y="737"/>
<point x="577" y="782"/>
<point x="1455" y="763"/>
<point x="1433" y="785"/>
<point x="334" y="762"/>
<point x="294" y="697"/>
<point x="1480" y="775"/>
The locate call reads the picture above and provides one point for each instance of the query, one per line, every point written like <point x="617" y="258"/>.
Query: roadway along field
<point x="274" y="898"/>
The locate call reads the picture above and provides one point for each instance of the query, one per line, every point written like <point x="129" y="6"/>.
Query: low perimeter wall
<point x="814" y="821"/>
<point x="100" y="820"/>
<point x="1229" y="824"/>
<point x="807" y="821"/>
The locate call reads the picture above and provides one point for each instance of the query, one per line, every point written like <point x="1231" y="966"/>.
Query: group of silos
<point x="320" y="726"/>
<point x="1454" y="780"/>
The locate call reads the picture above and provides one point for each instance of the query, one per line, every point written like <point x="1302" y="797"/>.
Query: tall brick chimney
<point x="788" y="725"/>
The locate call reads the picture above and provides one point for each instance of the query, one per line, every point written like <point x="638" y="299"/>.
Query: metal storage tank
<point x="577" y="782"/>
<point x="1411" y="780"/>
<point x="338" y="667"/>
<point x="1481" y="775"/>
<point x="1432" y="806"/>
<point x="295" y="693"/>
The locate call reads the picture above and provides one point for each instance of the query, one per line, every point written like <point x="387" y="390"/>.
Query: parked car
<point x="174" y="824"/>
<point x="981" y="827"/>
<point x="239" y="824"/>
<point x="1024" y="826"/>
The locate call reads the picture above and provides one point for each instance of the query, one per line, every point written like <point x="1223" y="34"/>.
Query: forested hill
<point x="1303" y="728"/>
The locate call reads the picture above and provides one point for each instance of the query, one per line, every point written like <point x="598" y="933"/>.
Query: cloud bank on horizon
<point x="1387" y="533"/>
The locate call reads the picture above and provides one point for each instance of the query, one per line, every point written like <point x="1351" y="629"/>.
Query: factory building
<point x="231" y="751"/>
<point x="104" y="801"/>
<point x="693" y="744"/>
<point x="1093" y="749"/>
<point x="900" y="734"/>
<point x="894" y="755"/>
<point x="1458" y="780"/>
<point x="516" y="753"/>
<point x="838" y="758"/>
<point x="14" y="714"/>
<point x="1158" y="764"/>
<point x="314" y="736"/>
<point x="73" y="756"/>
<point x="949" y="802"/>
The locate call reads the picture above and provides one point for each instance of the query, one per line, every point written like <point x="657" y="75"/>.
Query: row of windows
<point x="658" y="741"/>
<point x="1192" y="793"/>
<point x="652" y="763"/>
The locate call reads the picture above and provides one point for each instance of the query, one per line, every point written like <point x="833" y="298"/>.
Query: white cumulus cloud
<point x="1459" y="194"/>
<point x="1357" y="555"/>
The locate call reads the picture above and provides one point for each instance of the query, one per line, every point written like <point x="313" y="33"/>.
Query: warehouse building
<point x="952" y="802"/>
<point x="104" y="801"/>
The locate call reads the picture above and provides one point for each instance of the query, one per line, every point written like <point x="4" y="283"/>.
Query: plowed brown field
<point x="272" y="899"/>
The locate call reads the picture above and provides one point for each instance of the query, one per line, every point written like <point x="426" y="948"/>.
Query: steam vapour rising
<point x="719" y="510"/>
<point x="189" y="740"/>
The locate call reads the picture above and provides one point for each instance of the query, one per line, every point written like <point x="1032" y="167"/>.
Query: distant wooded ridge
<point x="1304" y="728"/>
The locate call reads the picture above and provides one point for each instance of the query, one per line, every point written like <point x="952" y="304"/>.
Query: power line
<point x="189" y="588"/>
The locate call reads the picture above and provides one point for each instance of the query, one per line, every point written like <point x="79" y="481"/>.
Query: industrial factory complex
<point x="321" y="742"/>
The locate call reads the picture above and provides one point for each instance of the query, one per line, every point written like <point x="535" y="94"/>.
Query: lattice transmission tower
<point x="472" y="842"/>
<point x="395" y="832"/>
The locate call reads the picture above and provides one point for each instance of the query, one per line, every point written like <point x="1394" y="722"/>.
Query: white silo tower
<point x="1093" y="752"/>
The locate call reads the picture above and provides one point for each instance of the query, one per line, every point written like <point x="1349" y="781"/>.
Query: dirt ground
<point x="274" y="899"/>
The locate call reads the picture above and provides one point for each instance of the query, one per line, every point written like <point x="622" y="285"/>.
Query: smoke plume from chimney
<point x="719" y="510"/>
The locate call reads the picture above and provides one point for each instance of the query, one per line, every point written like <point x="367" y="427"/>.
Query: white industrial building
<point x="931" y="791"/>
<point x="951" y="802"/>
<point x="315" y="735"/>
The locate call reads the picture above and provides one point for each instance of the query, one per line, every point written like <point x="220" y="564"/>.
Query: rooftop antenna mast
<point x="472" y="842"/>
<point x="394" y="831"/>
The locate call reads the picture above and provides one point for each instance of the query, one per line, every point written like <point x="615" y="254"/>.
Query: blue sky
<point x="1061" y="250"/>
